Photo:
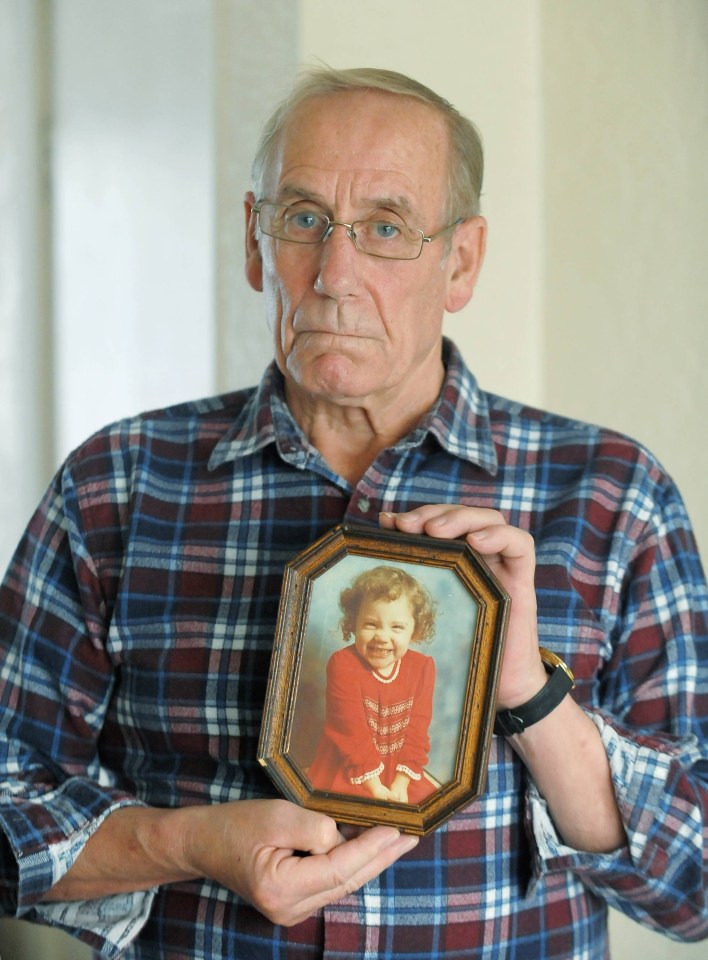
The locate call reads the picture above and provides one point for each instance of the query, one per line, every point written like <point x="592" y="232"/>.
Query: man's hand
<point x="509" y="553"/>
<point x="253" y="847"/>
<point x="256" y="852"/>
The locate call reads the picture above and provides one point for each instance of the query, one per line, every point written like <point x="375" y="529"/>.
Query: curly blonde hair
<point x="388" y="583"/>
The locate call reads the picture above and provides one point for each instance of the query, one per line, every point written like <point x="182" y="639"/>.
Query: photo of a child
<point x="379" y="692"/>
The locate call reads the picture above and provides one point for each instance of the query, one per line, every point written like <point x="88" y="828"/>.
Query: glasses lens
<point x="388" y="238"/>
<point x="296" y="223"/>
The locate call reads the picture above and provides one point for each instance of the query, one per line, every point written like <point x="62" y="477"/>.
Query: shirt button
<point x="364" y="504"/>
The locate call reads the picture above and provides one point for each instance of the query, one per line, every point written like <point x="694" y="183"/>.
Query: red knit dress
<point x="375" y="725"/>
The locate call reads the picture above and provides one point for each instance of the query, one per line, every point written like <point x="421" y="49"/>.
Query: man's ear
<point x="464" y="262"/>
<point x="254" y="265"/>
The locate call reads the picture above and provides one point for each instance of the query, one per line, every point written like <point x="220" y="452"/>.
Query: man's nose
<point x="339" y="262"/>
<point x="338" y="223"/>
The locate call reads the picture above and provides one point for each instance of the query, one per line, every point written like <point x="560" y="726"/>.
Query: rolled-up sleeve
<point x="56" y="680"/>
<point x="659" y="877"/>
<point x="650" y="706"/>
<point x="108" y="923"/>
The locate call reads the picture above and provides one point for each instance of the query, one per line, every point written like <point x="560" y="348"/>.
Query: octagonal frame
<point x="462" y="573"/>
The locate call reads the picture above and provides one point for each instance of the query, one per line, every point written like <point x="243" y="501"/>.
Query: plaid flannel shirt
<point x="136" y="623"/>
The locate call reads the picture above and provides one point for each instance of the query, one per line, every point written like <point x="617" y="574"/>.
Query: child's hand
<point x="377" y="790"/>
<point x="399" y="787"/>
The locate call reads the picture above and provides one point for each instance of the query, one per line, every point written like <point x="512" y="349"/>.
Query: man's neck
<point x="351" y="435"/>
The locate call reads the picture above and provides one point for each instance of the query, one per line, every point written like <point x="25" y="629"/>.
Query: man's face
<point x="350" y="328"/>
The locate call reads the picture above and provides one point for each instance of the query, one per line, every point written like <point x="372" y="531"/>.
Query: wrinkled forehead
<point x="380" y="143"/>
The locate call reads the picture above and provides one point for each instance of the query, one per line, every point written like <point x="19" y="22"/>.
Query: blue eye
<point x="383" y="230"/>
<point x="305" y="220"/>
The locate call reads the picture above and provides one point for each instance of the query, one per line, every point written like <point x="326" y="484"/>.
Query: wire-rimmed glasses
<point x="391" y="239"/>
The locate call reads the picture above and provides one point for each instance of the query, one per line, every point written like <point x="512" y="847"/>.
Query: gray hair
<point x="466" y="164"/>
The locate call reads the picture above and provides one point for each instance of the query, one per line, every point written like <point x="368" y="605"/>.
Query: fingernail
<point x="409" y="843"/>
<point x="390" y="516"/>
<point x="389" y="835"/>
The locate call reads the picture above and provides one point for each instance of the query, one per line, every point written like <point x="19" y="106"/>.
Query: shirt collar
<point x="459" y="421"/>
<point x="264" y="419"/>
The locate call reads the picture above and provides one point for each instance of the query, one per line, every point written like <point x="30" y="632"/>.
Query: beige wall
<point x="625" y="91"/>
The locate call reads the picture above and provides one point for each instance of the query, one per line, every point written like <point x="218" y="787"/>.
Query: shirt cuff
<point x="357" y="781"/>
<point x="639" y="774"/>
<point x="551" y="852"/>
<point x="108" y="924"/>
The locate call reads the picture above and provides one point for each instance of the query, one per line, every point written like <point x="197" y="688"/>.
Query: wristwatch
<point x="560" y="682"/>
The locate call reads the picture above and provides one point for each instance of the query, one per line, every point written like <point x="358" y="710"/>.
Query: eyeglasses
<point x="299" y="223"/>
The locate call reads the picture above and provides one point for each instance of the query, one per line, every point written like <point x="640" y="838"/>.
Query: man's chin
<point x="336" y="376"/>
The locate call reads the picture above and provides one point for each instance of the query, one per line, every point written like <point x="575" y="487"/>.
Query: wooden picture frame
<point x="297" y="732"/>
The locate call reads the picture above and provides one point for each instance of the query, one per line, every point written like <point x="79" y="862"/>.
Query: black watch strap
<point x="560" y="683"/>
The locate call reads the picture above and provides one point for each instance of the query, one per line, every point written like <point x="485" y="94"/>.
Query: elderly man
<point x="138" y="613"/>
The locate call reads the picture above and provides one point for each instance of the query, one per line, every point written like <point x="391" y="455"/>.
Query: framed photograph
<point x="382" y="689"/>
